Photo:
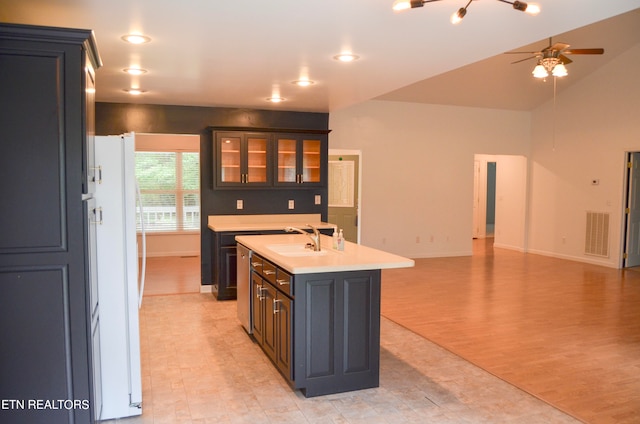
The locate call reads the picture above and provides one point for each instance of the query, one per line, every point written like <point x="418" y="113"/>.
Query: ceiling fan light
<point x="559" y="70"/>
<point x="457" y="17"/>
<point x="540" y="72"/>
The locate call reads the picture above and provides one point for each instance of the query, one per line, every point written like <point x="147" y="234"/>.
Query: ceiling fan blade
<point x="559" y="46"/>
<point x="584" y="51"/>
<point x="564" y="59"/>
<point x="536" y="53"/>
<point x="522" y="60"/>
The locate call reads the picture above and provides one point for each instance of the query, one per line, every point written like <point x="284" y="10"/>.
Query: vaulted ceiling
<point x="238" y="53"/>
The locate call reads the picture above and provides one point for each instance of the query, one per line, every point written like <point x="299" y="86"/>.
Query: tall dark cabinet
<point x="49" y="309"/>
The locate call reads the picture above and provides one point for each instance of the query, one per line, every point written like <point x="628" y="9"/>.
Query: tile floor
<point x="199" y="366"/>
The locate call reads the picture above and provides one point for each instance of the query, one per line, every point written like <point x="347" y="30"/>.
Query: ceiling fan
<point x="552" y="58"/>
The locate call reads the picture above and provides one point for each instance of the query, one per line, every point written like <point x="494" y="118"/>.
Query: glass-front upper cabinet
<point x="242" y="159"/>
<point x="300" y="159"/>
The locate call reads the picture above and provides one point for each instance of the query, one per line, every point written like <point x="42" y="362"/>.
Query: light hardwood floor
<point x="172" y="275"/>
<point x="564" y="331"/>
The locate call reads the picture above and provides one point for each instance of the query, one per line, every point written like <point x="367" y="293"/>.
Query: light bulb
<point x="457" y="17"/>
<point x="401" y="5"/>
<point x="532" y="9"/>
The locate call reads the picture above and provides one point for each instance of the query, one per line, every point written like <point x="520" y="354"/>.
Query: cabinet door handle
<point x="282" y="282"/>
<point x="259" y="293"/>
<point x="275" y="305"/>
<point x="269" y="272"/>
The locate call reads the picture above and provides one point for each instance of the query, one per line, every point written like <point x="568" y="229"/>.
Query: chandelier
<point x="530" y="8"/>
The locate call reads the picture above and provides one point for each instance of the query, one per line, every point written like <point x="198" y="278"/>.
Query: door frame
<point x="358" y="153"/>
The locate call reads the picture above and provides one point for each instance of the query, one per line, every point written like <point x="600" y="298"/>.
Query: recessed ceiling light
<point x="135" y="91"/>
<point x="136" y="38"/>
<point x="346" y="57"/>
<point x="275" y="99"/>
<point x="302" y="83"/>
<point x="135" y="71"/>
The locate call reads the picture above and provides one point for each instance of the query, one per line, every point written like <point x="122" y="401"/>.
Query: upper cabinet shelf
<point x="242" y="159"/>
<point x="299" y="159"/>
<point x="270" y="158"/>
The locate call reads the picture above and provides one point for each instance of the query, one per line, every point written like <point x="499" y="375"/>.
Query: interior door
<point x="344" y="194"/>
<point x="632" y="246"/>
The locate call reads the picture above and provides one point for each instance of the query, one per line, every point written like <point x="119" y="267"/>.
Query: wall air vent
<point x="597" y="234"/>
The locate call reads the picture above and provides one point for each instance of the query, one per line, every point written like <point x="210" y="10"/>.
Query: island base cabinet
<point x="321" y="330"/>
<point x="337" y="344"/>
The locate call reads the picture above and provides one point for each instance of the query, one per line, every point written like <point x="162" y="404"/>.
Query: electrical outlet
<point x="318" y="199"/>
<point x="239" y="204"/>
<point x="292" y="204"/>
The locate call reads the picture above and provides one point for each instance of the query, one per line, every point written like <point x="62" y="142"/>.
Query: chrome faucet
<point x="315" y="237"/>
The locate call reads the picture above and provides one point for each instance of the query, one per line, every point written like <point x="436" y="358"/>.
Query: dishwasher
<point x="244" y="287"/>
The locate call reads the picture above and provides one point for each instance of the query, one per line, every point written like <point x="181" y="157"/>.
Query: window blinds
<point x="169" y="185"/>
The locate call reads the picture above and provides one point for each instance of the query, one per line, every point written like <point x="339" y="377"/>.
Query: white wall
<point x="417" y="169"/>
<point x="418" y="165"/>
<point x="597" y="120"/>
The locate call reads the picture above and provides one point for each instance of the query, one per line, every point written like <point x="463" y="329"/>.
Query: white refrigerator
<point x="119" y="287"/>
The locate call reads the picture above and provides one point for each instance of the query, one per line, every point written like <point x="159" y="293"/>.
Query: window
<point x="169" y="187"/>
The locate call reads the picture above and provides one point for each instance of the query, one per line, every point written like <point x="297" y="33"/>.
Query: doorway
<point x="499" y="203"/>
<point x="484" y="203"/>
<point x="344" y="192"/>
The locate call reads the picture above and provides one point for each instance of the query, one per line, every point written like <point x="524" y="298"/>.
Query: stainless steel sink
<point x="294" y="249"/>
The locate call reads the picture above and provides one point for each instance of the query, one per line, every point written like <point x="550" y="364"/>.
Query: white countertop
<point x="222" y="223"/>
<point x="355" y="257"/>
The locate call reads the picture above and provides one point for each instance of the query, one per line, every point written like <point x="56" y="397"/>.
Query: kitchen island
<point x="316" y="314"/>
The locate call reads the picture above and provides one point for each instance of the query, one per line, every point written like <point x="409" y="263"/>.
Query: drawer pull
<point x="256" y="264"/>
<point x="282" y="282"/>
<point x="269" y="272"/>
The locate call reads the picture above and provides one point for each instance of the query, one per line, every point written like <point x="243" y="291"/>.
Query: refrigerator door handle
<point x="143" y="236"/>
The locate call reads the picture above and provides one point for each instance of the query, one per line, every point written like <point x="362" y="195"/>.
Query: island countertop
<point x="354" y="257"/>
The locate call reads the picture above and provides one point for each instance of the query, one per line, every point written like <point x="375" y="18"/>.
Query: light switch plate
<point x="239" y="204"/>
<point x="318" y="199"/>
<point x="292" y="204"/>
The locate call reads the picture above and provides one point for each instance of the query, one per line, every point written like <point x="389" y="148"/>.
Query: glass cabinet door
<point x="311" y="161"/>
<point x="256" y="160"/>
<point x="230" y="160"/>
<point x="287" y="160"/>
